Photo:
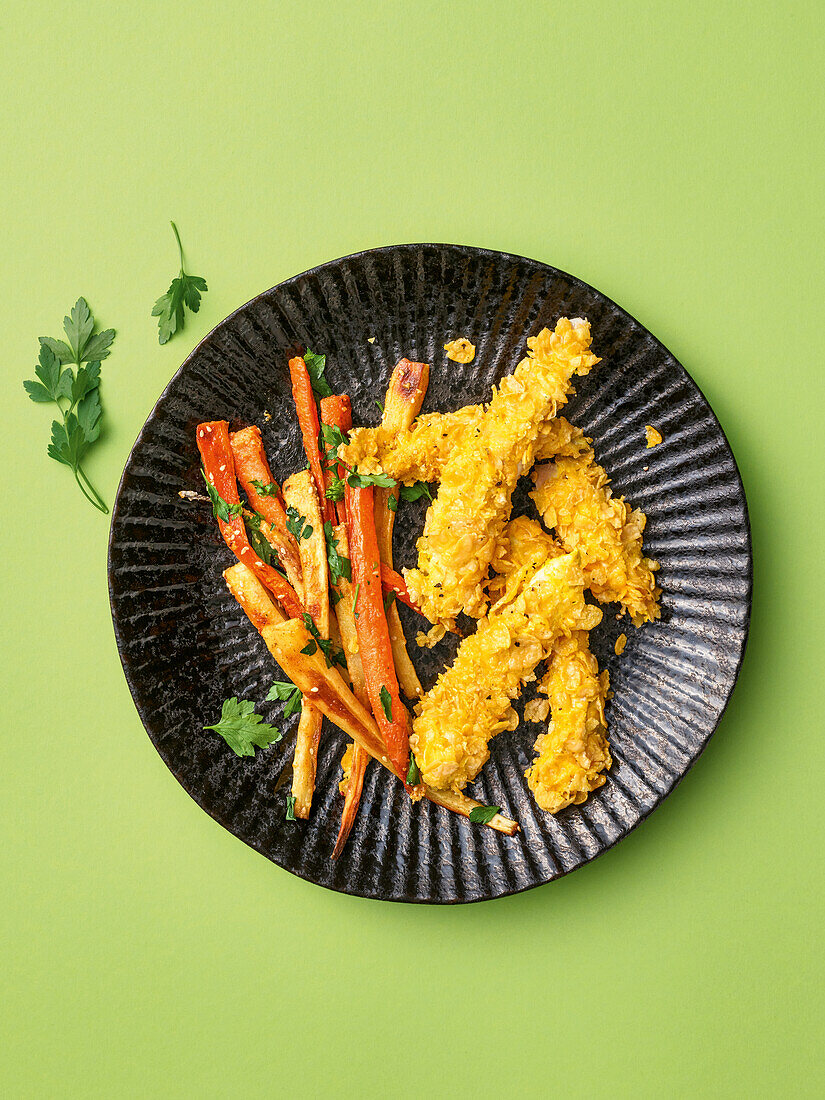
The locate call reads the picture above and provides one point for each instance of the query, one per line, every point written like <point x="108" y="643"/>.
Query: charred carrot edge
<point x="219" y="467"/>
<point x="405" y="395"/>
<point x="337" y="412"/>
<point x="391" y="581"/>
<point x="250" y="466"/>
<point x="285" y="640"/>
<point x="373" y="632"/>
<point x="304" y="400"/>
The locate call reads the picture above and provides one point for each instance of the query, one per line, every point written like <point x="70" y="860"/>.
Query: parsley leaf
<point x="386" y="702"/>
<point x="392" y="502"/>
<point x="242" y="729"/>
<point x="297" y="524"/>
<point x="361" y="481"/>
<point x="413" y="775"/>
<point x="339" y="566"/>
<point x="265" y="489"/>
<point x="355" y="613"/>
<point x="285" y="690"/>
<point x="331" y="438"/>
<point x="482" y="815"/>
<point x="74" y="392"/>
<point x="221" y="509"/>
<point x="257" y="540"/>
<point x="413" y="492"/>
<point x="336" y="489"/>
<point x="290" y="807"/>
<point x="185" y="290"/>
<point x="316" y="365"/>
<point x="332" y="655"/>
<point x="388" y="600"/>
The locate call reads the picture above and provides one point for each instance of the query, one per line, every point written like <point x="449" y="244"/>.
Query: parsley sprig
<point x="482" y="815"/>
<point x="297" y="524"/>
<point x="362" y="481"/>
<point x="185" y="290"/>
<point x="76" y="393"/>
<point x="242" y="729"/>
<point x="285" y="690"/>
<point x="316" y="365"/>
<point x="265" y="488"/>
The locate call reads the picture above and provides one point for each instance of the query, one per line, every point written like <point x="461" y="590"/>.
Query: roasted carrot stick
<point x="337" y="412"/>
<point x="308" y="420"/>
<point x="373" y="634"/>
<point x="219" y="468"/>
<point x="286" y="641"/>
<point x="264" y="496"/>
<point x="402" y="404"/>
<point x="344" y="613"/>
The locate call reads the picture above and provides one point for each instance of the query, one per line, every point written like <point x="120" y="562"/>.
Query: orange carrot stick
<point x="308" y="420"/>
<point x="337" y="412"/>
<point x="373" y="634"/>
<point x="391" y="581"/>
<point x="219" y="467"/>
<point x="252" y="470"/>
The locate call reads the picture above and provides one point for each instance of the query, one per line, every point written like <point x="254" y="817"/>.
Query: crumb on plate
<point x="654" y="437"/>
<point x="621" y="642"/>
<point x="432" y="637"/>
<point x="460" y="350"/>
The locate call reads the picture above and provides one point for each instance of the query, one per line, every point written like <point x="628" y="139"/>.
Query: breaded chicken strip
<point x="573" y="754"/>
<point x="420" y="453"/>
<point x="466" y="519"/>
<point x="470" y="702"/>
<point x="574" y="498"/>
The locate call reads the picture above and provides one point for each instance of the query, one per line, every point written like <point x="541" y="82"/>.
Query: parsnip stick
<point x="300" y="493"/>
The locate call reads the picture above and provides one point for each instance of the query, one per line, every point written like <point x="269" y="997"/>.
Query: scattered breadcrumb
<point x="654" y="437"/>
<point x="460" y="350"/>
<point x="346" y="768"/>
<point x="536" y="710"/>
<point x="431" y="638"/>
<point x="267" y="414"/>
<point x="370" y="339"/>
<point x="621" y="642"/>
<point x="645" y="468"/>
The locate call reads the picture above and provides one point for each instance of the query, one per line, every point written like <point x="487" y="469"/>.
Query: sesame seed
<point x="222" y="468"/>
<point x="208" y="429"/>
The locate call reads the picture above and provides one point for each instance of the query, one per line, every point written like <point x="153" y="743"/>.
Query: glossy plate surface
<point x="185" y="645"/>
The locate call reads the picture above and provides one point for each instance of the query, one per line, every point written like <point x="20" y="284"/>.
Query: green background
<point x="669" y="154"/>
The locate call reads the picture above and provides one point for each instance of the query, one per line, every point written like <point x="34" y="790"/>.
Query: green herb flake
<point x="284" y="690"/>
<point x="483" y="815"/>
<point x="265" y="488"/>
<point x="392" y="502"/>
<point x="386" y="702"/>
<point x="297" y="524"/>
<point x="221" y="509"/>
<point x="339" y="566"/>
<point x="362" y="481"/>
<point x="290" y="807"/>
<point x="332" y="655"/>
<point x="242" y="729"/>
<point x="316" y="365"/>
<point x="355" y="600"/>
<point x="257" y="539"/>
<point x="413" y="492"/>
<point x="413" y="774"/>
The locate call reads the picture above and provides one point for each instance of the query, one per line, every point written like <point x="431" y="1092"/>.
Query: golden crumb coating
<point x="574" y="498"/>
<point x="573" y="754"/>
<point x="346" y="767"/>
<point x="467" y="517"/>
<point x="653" y="436"/>
<point x="420" y="453"/>
<point x="471" y="701"/>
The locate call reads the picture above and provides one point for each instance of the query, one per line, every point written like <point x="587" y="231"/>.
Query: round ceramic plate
<point x="186" y="646"/>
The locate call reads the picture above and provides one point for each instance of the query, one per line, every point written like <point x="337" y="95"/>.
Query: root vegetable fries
<point x="219" y="468"/>
<point x="373" y="633"/>
<point x="300" y="494"/>
<point x="304" y="400"/>
<point x="391" y="581"/>
<point x="402" y="404"/>
<point x="337" y="412"/>
<point x="251" y="466"/>
<point x="349" y="643"/>
<point x="285" y="639"/>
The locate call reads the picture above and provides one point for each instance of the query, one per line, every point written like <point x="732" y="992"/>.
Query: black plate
<point x="185" y="645"/>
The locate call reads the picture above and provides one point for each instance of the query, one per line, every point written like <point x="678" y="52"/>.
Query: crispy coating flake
<point x="653" y="435"/>
<point x="471" y="701"/>
<point x="573" y="754"/>
<point x="460" y="350"/>
<point x="346" y="767"/>
<point x="573" y="496"/>
<point x="467" y="517"/>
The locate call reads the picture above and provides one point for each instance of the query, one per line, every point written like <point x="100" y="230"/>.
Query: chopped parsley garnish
<point x="284" y="690"/>
<point x="413" y="492"/>
<point x="483" y="815"/>
<point x="290" y="807"/>
<point x="257" y="540"/>
<point x="297" y="524"/>
<point x="221" y="509"/>
<point x="362" y="481"/>
<point x="413" y="775"/>
<point x="332" y="655"/>
<point x="316" y="365"/>
<point x="339" y="566"/>
<point x="386" y="702"/>
<point x="265" y="488"/>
